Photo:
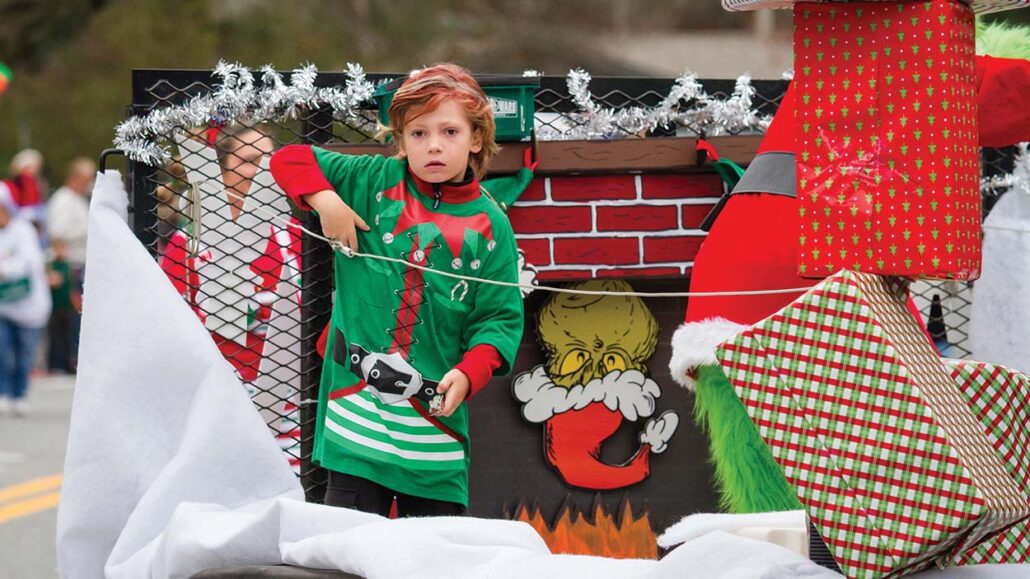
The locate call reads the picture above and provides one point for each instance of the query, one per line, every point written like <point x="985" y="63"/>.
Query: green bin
<point x="512" y="98"/>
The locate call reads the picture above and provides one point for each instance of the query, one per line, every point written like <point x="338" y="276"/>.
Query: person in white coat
<point x="24" y="303"/>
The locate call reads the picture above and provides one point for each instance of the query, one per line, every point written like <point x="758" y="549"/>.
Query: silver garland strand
<point x="687" y="104"/>
<point x="1018" y="180"/>
<point x="237" y="98"/>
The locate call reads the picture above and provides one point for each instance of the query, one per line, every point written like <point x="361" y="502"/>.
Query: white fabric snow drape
<point x="159" y="417"/>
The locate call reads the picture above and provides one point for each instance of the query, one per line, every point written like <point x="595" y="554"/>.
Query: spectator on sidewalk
<point x="60" y="330"/>
<point x="68" y="213"/>
<point x="67" y="222"/>
<point x="24" y="303"/>
<point x="25" y="184"/>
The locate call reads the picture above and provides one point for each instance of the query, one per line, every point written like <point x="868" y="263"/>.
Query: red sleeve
<point x="295" y="170"/>
<point x="1002" y="85"/>
<point x="176" y="264"/>
<point x="479" y="364"/>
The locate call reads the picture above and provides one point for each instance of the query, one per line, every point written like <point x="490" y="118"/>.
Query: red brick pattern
<point x="593" y="188"/>
<point x="631" y="226"/>
<point x="548" y="220"/>
<point x="681" y="186"/>
<point x="536" y="250"/>
<point x="663" y="249"/>
<point x="564" y="275"/>
<point x="644" y="272"/>
<point x="693" y="215"/>
<point x="597" y="251"/>
<point x="535" y="191"/>
<point x="637" y="218"/>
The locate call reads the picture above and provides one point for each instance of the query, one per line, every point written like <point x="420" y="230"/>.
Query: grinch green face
<point x="588" y="337"/>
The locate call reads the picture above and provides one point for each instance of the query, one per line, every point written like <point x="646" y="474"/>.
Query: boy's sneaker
<point x="5" y="405"/>
<point x="20" y="407"/>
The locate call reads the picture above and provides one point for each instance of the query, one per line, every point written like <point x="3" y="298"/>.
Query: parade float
<point x="590" y="440"/>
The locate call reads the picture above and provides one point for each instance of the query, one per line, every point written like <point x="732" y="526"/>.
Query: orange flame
<point x="573" y="534"/>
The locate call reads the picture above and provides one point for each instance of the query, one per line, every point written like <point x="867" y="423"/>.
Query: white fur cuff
<point x="694" y="344"/>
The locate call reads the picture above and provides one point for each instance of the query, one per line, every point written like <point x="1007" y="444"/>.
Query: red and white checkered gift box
<point x="1000" y="399"/>
<point x="895" y="471"/>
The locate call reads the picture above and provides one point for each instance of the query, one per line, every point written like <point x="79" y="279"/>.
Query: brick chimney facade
<point x="582" y="227"/>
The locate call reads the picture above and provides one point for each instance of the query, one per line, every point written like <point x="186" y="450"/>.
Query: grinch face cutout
<point x="595" y="379"/>
<point x="580" y="349"/>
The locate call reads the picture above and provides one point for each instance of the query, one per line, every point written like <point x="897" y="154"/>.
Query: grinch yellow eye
<point x="613" y="362"/>
<point x="573" y="361"/>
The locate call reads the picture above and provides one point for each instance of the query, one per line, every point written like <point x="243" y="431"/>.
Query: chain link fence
<point x="213" y="220"/>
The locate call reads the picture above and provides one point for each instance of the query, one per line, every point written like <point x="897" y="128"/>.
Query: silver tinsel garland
<point x="1017" y="181"/>
<point x="687" y="104"/>
<point x="237" y="98"/>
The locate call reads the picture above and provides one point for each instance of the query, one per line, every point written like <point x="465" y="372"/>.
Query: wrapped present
<point x="857" y="408"/>
<point x="978" y="6"/>
<point x="887" y="153"/>
<point x="1000" y="399"/>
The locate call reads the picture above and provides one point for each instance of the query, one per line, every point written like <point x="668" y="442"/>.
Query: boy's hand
<point x="455" y="387"/>
<point x="339" y="221"/>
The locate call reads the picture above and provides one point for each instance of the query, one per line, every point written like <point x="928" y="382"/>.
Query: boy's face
<point x="438" y="144"/>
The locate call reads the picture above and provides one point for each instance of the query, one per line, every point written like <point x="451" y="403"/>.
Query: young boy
<point x="400" y="336"/>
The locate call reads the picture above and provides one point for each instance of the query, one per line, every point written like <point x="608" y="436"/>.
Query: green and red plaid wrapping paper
<point x="1000" y="399"/>
<point x="895" y="471"/>
<point x="887" y="139"/>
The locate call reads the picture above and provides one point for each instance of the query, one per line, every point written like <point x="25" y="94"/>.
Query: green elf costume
<point x="396" y="330"/>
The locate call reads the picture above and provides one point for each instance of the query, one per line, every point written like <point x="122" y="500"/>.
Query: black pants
<point x="61" y="341"/>
<point x="354" y="492"/>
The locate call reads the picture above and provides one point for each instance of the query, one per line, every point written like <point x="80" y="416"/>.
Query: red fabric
<point x="1002" y="87"/>
<point x="24" y="190"/>
<point x="297" y="172"/>
<point x="245" y="359"/>
<point x="180" y="269"/>
<point x="752" y="246"/>
<point x="779" y="137"/>
<point x="479" y="365"/>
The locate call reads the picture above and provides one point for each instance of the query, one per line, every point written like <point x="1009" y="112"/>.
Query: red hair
<point x="427" y="89"/>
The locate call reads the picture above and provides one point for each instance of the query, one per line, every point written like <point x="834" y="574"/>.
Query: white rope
<point x="347" y="251"/>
